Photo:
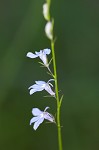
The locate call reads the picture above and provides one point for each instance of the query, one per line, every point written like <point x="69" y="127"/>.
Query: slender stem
<point x="57" y="96"/>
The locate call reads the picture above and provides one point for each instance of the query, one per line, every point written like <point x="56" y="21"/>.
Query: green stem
<point x="57" y="96"/>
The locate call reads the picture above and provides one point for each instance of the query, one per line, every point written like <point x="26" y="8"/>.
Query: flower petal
<point x="36" y="111"/>
<point x="43" y="57"/>
<point x="34" y="119"/>
<point x="32" y="91"/>
<point x="37" y="123"/>
<point x="46" y="108"/>
<point x="40" y="82"/>
<point x="39" y="53"/>
<point x="50" y="80"/>
<point x="49" y="90"/>
<point x="49" y="117"/>
<point x="31" y="55"/>
<point x="47" y="51"/>
<point x="33" y="86"/>
<point x="36" y="87"/>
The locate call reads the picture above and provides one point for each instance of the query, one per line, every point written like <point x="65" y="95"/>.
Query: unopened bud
<point x="46" y="11"/>
<point x="49" y="30"/>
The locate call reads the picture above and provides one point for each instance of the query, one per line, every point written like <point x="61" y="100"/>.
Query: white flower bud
<point x="49" y="30"/>
<point x="46" y="11"/>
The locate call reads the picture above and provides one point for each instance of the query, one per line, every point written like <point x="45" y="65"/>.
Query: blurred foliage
<point x="77" y="53"/>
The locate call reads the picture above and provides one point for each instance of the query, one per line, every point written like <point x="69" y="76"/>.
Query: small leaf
<point x="49" y="96"/>
<point x="50" y="61"/>
<point x="41" y="64"/>
<point x="60" y="102"/>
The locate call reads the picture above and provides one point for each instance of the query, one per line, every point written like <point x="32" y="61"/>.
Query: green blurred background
<point x="77" y="53"/>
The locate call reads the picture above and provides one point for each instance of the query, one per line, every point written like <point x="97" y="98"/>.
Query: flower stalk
<point x="50" y="35"/>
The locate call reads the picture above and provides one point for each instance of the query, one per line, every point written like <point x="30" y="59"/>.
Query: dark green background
<point x="77" y="54"/>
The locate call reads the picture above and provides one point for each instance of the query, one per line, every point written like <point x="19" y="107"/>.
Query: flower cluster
<point x="39" y="115"/>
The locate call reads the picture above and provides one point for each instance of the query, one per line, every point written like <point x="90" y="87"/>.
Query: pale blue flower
<point x="39" y="117"/>
<point x="40" y="86"/>
<point x="42" y="55"/>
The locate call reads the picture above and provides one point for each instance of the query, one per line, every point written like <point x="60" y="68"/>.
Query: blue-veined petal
<point x="49" y="117"/>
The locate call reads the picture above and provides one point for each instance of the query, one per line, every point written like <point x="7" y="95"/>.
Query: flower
<point x="49" y="29"/>
<point x="42" y="55"/>
<point x="39" y="117"/>
<point x="40" y="86"/>
<point x="46" y="11"/>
